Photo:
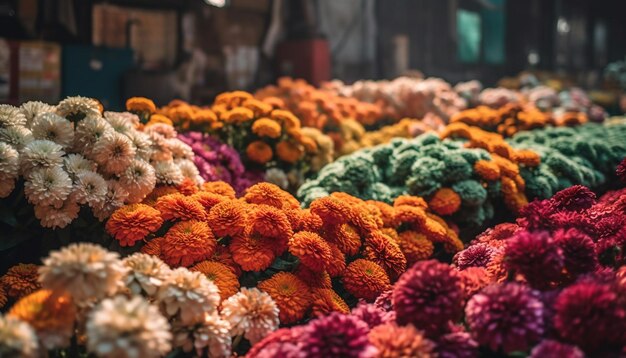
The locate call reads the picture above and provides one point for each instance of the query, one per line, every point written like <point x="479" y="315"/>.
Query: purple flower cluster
<point x="218" y="161"/>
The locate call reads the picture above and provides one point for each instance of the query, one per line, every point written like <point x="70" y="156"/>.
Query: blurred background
<point x="195" y="49"/>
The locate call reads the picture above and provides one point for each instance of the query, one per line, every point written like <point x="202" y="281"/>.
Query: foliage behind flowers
<point x="311" y="261"/>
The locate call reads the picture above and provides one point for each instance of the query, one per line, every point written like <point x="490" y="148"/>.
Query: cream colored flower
<point x="88" y="132"/>
<point x="122" y="122"/>
<point x="168" y="173"/>
<point x="179" y="149"/>
<point x="18" y="137"/>
<point x="188" y="295"/>
<point x="146" y="275"/>
<point x="161" y="129"/>
<point x="142" y="144"/>
<point x="90" y="188"/>
<point x="32" y="109"/>
<point x="189" y="170"/>
<point x="73" y="163"/>
<point x="139" y="180"/>
<point x="127" y="327"/>
<point x="114" y="152"/>
<point x="41" y="154"/>
<point x="278" y="177"/>
<point x="114" y="199"/>
<point x="53" y="128"/>
<point x="53" y="217"/>
<point x="48" y="186"/>
<point x="11" y="116"/>
<point x="210" y="338"/>
<point x="251" y="313"/>
<point x="9" y="162"/>
<point x="87" y="271"/>
<point x="78" y="108"/>
<point x="17" y="339"/>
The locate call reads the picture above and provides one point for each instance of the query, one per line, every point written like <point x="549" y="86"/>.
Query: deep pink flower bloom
<point x="554" y="349"/>
<point x="536" y="256"/>
<point x="337" y="335"/>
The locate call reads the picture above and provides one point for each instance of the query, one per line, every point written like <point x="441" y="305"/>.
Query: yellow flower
<point x="140" y="104"/>
<point x="266" y="127"/>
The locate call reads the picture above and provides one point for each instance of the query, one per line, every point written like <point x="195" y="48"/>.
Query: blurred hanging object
<point x="275" y="29"/>
<point x="67" y="17"/>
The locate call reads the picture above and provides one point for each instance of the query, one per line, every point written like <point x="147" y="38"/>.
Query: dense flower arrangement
<point x="72" y="155"/>
<point x="90" y="301"/>
<point x="310" y="261"/>
<point x="466" y="179"/>
<point x="551" y="285"/>
<point x="217" y="161"/>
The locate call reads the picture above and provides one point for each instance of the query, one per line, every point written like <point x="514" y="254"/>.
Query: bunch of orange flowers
<point x="310" y="261"/>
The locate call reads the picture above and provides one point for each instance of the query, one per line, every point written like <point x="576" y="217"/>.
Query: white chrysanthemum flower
<point x="86" y="271"/>
<point x="6" y="187"/>
<point x="73" y="163"/>
<point x="114" y="152"/>
<point x="9" y="162"/>
<point x="78" y="108"/>
<point x="54" y="217"/>
<point x="139" y="179"/>
<point x="48" y="186"/>
<point x="32" y="109"/>
<point x="122" y="122"/>
<point x="90" y="188"/>
<point x="17" y="339"/>
<point x="53" y="128"/>
<point x="160" y="151"/>
<point x="146" y="275"/>
<point x="41" y="154"/>
<point x="88" y="132"/>
<point x="190" y="295"/>
<point x="278" y="177"/>
<point x="210" y="338"/>
<point x="142" y="143"/>
<point x="18" y="137"/>
<point x="189" y="170"/>
<point x="11" y="116"/>
<point x="161" y="129"/>
<point x="128" y="327"/>
<point x="179" y="149"/>
<point x="251" y="312"/>
<point x="168" y="173"/>
<point x="114" y="199"/>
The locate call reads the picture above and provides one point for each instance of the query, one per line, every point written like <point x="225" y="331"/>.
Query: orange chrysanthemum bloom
<point x="225" y="280"/>
<point x="289" y="152"/>
<point x="259" y="152"/>
<point x="153" y="247"/>
<point x="252" y="253"/>
<point x="188" y="242"/>
<point x="21" y="280"/>
<point x="338" y="263"/>
<point x="140" y="104"/>
<point x="411" y="215"/>
<point x="315" y="279"/>
<point x="347" y="239"/>
<point x="291" y="294"/>
<point x="179" y="207"/>
<point x="227" y="218"/>
<point x="275" y="102"/>
<point x="365" y="279"/>
<point x="406" y="200"/>
<point x="393" y="341"/>
<point x="309" y="144"/>
<point x="363" y="221"/>
<point x="288" y="119"/>
<point x="527" y="157"/>
<point x="445" y="201"/>
<point x="49" y="313"/>
<point x="219" y="187"/>
<point x="258" y="107"/>
<point x="312" y="251"/>
<point x="331" y="210"/>
<point x="158" y="192"/>
<point x="387" y="212"/>
<point x="304" y="220"/>
<point x="159" y="118"/>
<point x="325" y="301"/>
<point x="487" y="170"/>
<point x="223" y="256"/>
<point x="266" y="127"/>
<point x="272" y="195"/>
<point x="391" y="233"/>
<point x="238" y="115"/>
<point x="415" y="246"/>
<point x="187" y="187"/>
<point x="133" y="222"/>
<point x="386" y="253"/>
<point x="208" y="200"/>
<point x="269" y="222"/>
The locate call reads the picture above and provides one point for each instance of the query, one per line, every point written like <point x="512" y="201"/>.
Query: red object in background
<point x="306" y="59"/>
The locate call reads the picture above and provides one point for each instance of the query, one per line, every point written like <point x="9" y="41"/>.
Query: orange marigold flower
<point x="158" y="192"/>
<point x="266" y="127"/>
<point x="365" y="279"/>
<point x="252" y="253"/>
<point x="415" y="246"/>
<point x="434" y="229"/>
<point x="338" y="263"/>
<point x="238" y="115"/>
<point x="140" y="104"/>
<point x="21" y="280"/>
<point x="259" y="152"/>
<point x="307" y="221"/>
<point x="269" y="222"/>
<point x="445" y="201"/>
<point x="289" y="152"/>
<point x="289" y="120"/>
<point x="187" y="187"/>
<point x="388" y="213"/>
<point x="393" y="341"/>
<point x="275" y="102"/>
<point x="291" y="294"/>
<point x="347" y="239"/>
<point x="312" y="251"/>
<point x="415" y="201"/>
<point x="258" y="107"/>
<point x="179" y="207"/>
<point x="225" y="280"/>
<point x="227" y="218"/>
<point x="325" y="301"/>
<point x="208" y="200"/>
<point x="411" y="215"/>
<point x="223" y="256"/>
<point x="391" y="233"/>
<point x="347" y="198"/>
<point x="133" y="222"/>
<point x="153" y="247"/>
<point x="219" y="187"/>
<point x="310" y="145"/>
<point x="487" y="170"/>
<point x="364" y="222"/>
<point x="331" y="210"/>
<point x="180" y="114"/>
<point x="315" y="279"/>
<point x="159" y="118"/>
<point x="386" y="253"/>
<point x="234" y="98"/>
<point x="527" y="157"/>
<point x="188" y="242"/>
<point x="272" y="195"/>
<point x="507" y="167"/>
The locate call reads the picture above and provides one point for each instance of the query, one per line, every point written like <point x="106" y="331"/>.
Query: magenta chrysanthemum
<point x="428" y="295"/>
<point x="578" y="249"/>
<point x="621" y="171"/>
<point x="477" y="255"/>
<point x="385" y="301"/>
<point x="269" y="346"/>
<point x="457" y="345"/>
<point x="536" y="256"/>
<point x="506" y="317"/>
<point x="337" y="335"/>
<point x="554" y="349"/>
<point x="574" y="198"/>
<point x="372" y="314"/>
